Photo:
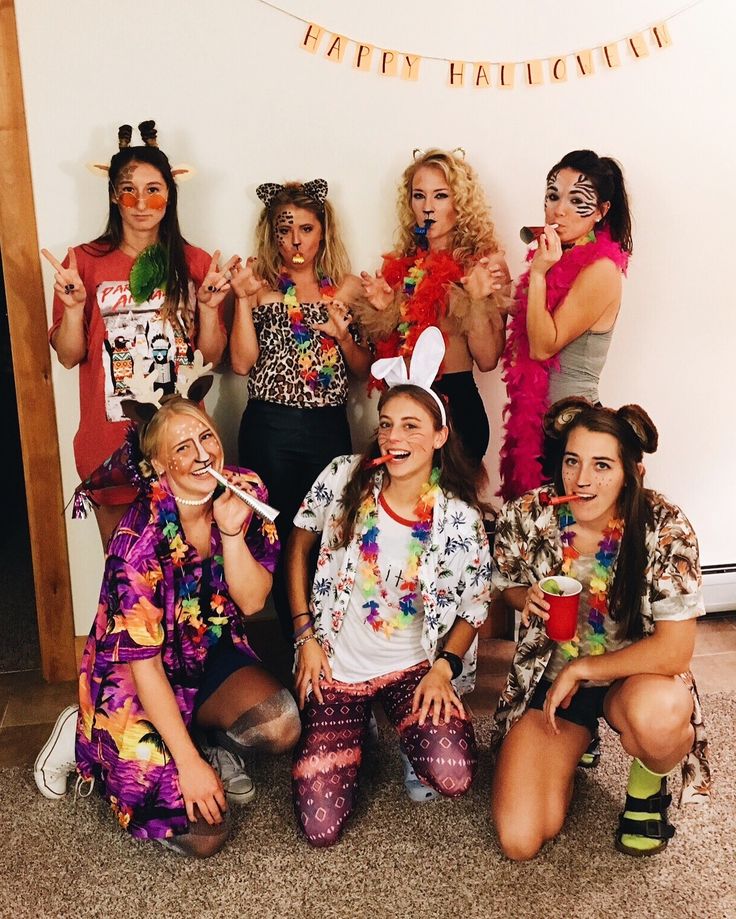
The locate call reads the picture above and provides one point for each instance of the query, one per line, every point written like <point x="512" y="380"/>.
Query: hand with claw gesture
<point x="68" y="285"/>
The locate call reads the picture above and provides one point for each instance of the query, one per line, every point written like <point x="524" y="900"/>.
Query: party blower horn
<point x="258" y="507"/>
<point x="529" y="234"/>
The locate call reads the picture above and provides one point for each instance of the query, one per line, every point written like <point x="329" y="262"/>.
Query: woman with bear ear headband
<point x="294" y="337"/>
<point x="137" y="293"/>
<point x="636" y="556"/>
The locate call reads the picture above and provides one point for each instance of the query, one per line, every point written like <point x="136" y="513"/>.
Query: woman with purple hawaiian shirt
<point x="168" y="657"/>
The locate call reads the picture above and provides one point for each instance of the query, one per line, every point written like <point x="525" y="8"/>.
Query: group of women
<point x="385" y="573"/>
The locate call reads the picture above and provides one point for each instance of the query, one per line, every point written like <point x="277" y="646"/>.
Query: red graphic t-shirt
<point x="119" y="332"/>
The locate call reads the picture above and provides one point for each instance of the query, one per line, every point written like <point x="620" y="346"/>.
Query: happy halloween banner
<point x="498" y="74"/>
<point x="485" y="74"/>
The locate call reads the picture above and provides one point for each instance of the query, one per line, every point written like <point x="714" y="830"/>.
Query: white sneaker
<point x="238" y="785"/>
<point x="415" y="787"/>
<point x="56" y="761"/>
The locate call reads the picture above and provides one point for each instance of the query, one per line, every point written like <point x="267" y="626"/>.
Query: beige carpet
<point x="395" y="860"/>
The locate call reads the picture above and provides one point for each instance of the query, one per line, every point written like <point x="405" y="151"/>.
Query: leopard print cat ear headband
<point x="315" y="188"/>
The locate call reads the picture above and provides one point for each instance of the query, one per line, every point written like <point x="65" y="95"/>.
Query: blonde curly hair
<point x="152" y="436"/>
<point x="332" y="259"/>
<point x="475" y="235"/>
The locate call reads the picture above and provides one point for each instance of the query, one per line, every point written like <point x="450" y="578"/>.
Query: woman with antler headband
<point x="171" y="695"/>
<point x="292" y="334"/>
<point x="402" y="587"/>
<point x="447" y="271"/>
<point x="634" y="556"/>
<point x="138" y="293"/>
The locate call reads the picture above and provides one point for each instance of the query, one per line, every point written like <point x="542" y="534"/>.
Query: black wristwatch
<point x="455" y="662"/>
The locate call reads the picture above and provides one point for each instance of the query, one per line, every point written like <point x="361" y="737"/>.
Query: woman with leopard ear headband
<point x="566" y="305"/>
<point x="138" y="294"/>
<point x="636" y="556"/>
<point x="293" y="335"/>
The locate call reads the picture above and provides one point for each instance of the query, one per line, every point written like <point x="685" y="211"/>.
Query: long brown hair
<point x="457" y="477"/>
<point x="636" y="434"/>
<point x="173" y="243"/>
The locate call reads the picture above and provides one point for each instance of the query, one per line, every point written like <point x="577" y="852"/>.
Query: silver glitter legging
<point x="329" y="753"/>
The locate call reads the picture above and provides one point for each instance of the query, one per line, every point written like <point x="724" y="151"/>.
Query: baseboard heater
<point x="719" y="588"/>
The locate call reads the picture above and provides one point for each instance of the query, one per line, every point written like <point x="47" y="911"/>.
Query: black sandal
<point x="656" y="828"/>
<point x="592" y="756"/>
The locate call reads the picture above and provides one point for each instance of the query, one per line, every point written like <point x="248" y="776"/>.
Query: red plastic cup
<point x="563" y="609"/>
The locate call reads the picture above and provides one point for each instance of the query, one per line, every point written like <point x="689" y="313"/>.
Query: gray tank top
<point x="581" y="363"/>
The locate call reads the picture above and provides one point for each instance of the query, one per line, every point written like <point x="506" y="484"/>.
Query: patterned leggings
<point x="330" y="750"/>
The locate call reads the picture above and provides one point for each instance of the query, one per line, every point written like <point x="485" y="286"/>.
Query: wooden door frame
<point x="32" y="368"/>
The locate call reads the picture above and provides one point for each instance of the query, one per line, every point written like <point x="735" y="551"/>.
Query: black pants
<point x="467" y="412"/>
<point x="288" y="447"/>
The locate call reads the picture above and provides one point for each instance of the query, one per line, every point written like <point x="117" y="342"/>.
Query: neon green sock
<point x="642" y="784"/>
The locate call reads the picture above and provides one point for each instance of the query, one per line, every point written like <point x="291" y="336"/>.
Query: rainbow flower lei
<point x="207" y="632"/>
<point x="314" y="374"/>
<point x="599" y="583"/>
<point x="369" y="574"/>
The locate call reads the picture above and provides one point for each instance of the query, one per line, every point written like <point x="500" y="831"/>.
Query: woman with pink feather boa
<point x="566" y="306"/>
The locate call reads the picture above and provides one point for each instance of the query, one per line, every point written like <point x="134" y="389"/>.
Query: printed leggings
<point x="330" y="750"/>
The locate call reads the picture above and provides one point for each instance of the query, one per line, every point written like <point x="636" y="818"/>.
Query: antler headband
<point x="315" y="188"/>
<point x="149" y="135"/>
<point x="423" y="366"/>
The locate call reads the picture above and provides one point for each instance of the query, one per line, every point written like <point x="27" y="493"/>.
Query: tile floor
<point x="29" y="706"/>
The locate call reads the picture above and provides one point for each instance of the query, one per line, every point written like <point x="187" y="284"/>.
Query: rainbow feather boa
<point x="527" y="380"/>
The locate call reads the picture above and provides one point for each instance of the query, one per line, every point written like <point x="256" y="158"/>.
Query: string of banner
<point x="333" y="46"/>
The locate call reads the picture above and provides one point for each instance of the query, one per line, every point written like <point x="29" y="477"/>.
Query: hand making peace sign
<point x="216" y="282"/>
<point x="68" y="285"/>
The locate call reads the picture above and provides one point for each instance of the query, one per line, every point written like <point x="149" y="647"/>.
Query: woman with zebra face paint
<point x="566" y="306"/>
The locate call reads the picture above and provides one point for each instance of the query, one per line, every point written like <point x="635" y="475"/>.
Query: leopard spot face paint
<point x="298" y="234"/>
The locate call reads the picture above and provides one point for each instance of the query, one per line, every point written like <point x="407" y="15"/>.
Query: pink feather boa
<point x="527" y="380"/>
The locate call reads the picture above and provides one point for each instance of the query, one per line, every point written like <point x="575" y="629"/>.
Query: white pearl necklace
<point x="194" y="502"/>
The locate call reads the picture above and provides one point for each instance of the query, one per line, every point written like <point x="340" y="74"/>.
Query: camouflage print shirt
<point x="528" y="548"/>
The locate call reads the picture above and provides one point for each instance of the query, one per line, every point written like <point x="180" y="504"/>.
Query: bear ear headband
<point x="423" y="366"/>
<point x="572" y="407"/>
<point x="181" y="173"/>
<point x="315" y="188"/>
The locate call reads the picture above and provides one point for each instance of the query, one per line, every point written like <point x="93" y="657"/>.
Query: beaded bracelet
<point x="303" y="629"/>
<point x="302" y="641"/>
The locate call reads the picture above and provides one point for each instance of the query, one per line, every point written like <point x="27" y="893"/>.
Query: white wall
<point x="234" y="95"/>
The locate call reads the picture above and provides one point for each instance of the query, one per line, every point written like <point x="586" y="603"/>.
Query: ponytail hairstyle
<point x="177" y="274"/>
<point x="608" y="180"/>
<point x="457" y="477"/>
<point x="636" y="434"/>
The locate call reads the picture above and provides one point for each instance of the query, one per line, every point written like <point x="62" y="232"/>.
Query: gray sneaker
<point x="57" y="759"/>
<point x="238" y="785"/>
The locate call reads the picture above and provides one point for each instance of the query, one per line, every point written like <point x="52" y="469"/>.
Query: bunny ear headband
<point x="149" y="135"/>
<point x="315" y="188"/>
<point x="423" y="366"/>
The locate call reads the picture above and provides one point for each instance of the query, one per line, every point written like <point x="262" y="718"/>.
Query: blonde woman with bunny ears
<point x="139" y="292"/>
<point x="400" y="591"/>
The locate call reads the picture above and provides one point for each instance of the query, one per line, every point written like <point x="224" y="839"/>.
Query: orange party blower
<point x="378" y="461"/>
<point x="546" y="501"/>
